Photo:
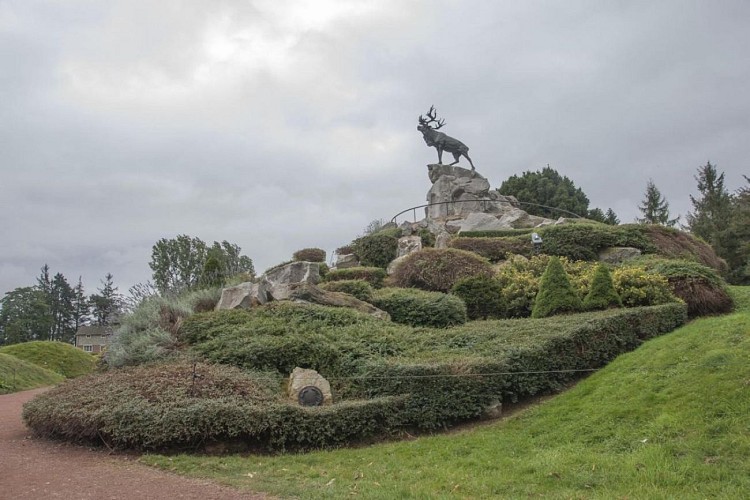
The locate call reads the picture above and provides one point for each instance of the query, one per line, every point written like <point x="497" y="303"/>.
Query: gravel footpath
<point x="33" y="468"/>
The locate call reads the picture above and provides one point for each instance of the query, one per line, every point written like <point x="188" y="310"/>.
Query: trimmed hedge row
<point x="373" y="275"/>
<point x="441" y="393"/>
<point x="162" y="407"/>
<point x="409" y="306"/>
<point x="494" y="249"/>
<point x="358" y="288"/>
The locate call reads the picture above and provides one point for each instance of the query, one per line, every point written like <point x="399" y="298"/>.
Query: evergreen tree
<point x="546" y="187"/>
<point x="24" y="316"/>
<point x="736" y="240"/>
<point x="602" y="294"/>
<point x="556" y="294"/>
<point x="107" y="304"/>
<point x="655" y="208"/>
<point x="62" y="310"/>
<point x="611" y="218"/>
<point x="81" y="306"/>
<point x="712" y="210"/>
<point x="597" y="215"/>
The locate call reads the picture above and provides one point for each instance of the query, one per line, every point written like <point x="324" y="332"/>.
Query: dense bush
<point x="602" y="294"/>
<point x="637" y="287"/>
<point x="428" y="239"/>
<point x="585" y="241"/>
<point x="456" y="375"/>
<point x="184" y="405"/>
<point x="675" y="244"/>
<point x="373" y="275"/>
<point x="494" y="249"/>
<point x="358" y="288"/>
<point x="56" y="356"/>
<point x="413" y="307"/>
<point x="702" y="289"/>
<point x="482" y="295"/>
<point x="376" y="250"/>
<point x="310" y="255"/>
<point x="438" y="270"/>
<point x="556" y="294"/>
<point x="498" y="233"/>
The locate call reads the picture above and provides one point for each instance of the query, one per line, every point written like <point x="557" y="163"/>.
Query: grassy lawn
<point x="19" y="375"/>
<point x="55" y="356"/>
<point x="669" y="420"/>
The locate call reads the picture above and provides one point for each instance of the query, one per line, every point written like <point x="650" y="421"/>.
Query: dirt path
<point x="39" y="469"/>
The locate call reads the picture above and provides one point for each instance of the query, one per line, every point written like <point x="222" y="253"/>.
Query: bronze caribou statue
<point x="441" y="141"/>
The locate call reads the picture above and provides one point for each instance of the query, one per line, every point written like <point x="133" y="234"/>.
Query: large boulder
<point x="306" y="292"/>
<point x="459" y="191"/>
<point x="244" y="296"/>
<point x="347" y="260"/>
<point x="408" y="244"/>
<point x="281" y="278"/>
<point x="303" y="378"/>
<point x="618" y="255"/>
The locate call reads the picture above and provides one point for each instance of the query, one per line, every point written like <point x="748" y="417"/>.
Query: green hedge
<point x="486" y="368"/>
<point x="373" y="275"/>
<point x="483" y="297"/>
<point x="310" y="255"/>
<point x="409" y="306"/>
<point x="376" y="250"/>
<point x="498" y="233"/>
<point x="438" y="269"/>
<point x="358" y="288"/>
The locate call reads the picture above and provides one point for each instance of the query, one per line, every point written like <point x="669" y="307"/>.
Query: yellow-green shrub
<point x="637" y="287"/>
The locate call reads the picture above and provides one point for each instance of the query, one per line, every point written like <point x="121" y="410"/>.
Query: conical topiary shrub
<point x="602" y="294"/>
<point x="556" y="294"/>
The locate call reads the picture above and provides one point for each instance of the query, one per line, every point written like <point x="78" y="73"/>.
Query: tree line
<point x="53" y="309"/>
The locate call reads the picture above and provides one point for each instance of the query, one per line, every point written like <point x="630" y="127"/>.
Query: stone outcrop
<point x="617" y="255"/>
<point x="244" y="296"/>
<point x="408" y="244"/>
<point x="311" y="294"/>
<point x="302" y="378"/>
<point x="281" y="278"/>
<point x="461" y="200"/>
<point x="345" y="261"/>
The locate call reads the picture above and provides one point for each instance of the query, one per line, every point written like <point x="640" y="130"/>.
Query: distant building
<point x="93" y="338"/>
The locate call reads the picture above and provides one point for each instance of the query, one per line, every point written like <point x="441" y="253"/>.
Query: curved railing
<point x="484" y="202"/>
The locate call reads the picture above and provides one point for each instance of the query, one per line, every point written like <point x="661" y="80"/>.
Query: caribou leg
<point x="440" y="156"/>
<point x="456" y="157"/>
<point x="470" y="162"/>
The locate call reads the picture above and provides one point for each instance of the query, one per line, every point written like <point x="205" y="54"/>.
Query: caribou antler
<point x="432" y="115"/>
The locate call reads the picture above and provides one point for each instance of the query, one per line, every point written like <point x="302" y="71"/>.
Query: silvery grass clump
<point x="149" y="332"/>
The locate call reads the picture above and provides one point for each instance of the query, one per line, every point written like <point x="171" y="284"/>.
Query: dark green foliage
<point x="711" y="214"/>
<point x="213" y="271"/>
<point x="376" y="250"/>
<point x="495" y="249"/>
<point x="428" y="239"/>
<point x="310" y="255"/>
<point x="702" y="289"/>
<point x="373" y="275"/>
<point x="546" y="187"/>
<point x="602" y="294"/>
<point x="482" y="296"/>
<point x="412" y="307"/>
<point x="584" y="241"/>
<point x="24" y="316"/>
<point x="556" y="294"/>
<point x="360" y="289"/>
<point x="437" y="270"/>
<point x="655" y="208"/>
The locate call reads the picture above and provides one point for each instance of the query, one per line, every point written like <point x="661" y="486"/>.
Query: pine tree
<point x="597" y="215"/>
<point x="655" y="208"/>
<point x="107" y="304"/>
<point x="611" y="217"/>
<point x="602" y="294"/>
<point x="61" y="298"/>
<point x="712" y="210"/>
<point x="81" y="306"/>
<point x="556" y="294"/>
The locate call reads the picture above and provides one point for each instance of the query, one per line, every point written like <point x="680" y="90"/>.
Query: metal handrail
<point x="484" y="202"/>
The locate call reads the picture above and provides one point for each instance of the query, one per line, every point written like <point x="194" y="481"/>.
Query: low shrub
<point x="584" y="241"/>
<point x="556" y="294"/>
<point x="494" y="249"/>
<point x="310" y="255"/>
<point x="376" y="250"/>
<point x="702" y="289"/>
<point x="437" y="270"/>
<point x="428" y="239"/>
<point x="675" y="244"/>
<point x="637" y="287"/>
<point x="373" y="275"/>
<point x="475" y="365"/>
<point x="55" y="356"/>
<point x="498" y="233"/>
<point x="483" y="297"/>
<point x="358" y="288"/>
<point x="408" y="306"/>
<point x="602" y="294"/>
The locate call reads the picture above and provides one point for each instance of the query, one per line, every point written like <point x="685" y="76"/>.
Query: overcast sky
<point x="279" y="125"/>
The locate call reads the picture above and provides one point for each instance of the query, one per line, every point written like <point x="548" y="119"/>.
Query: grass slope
<point x="19" y="375"/>
<point x="669" y="420"/>
<point x="56" y="356"/>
